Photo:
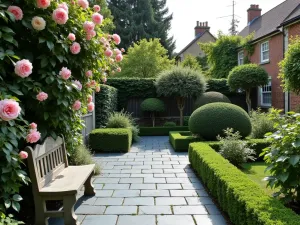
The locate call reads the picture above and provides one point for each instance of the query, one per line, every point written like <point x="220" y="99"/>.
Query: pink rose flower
<point x="93" y="83"/>
<point x="98" y="89"/>
<point x="78" y="84"/>
<point x="103" y="40"/>
<point x="17" y="11"/>
<point x="72" y="37"/>
<point x="83" y="3"/>
<point x="23" y="68"/>
<point x="42" y="96"/>
<point x="75" y="48"/>
<point x="33" y="126"/>
<point x="117" y="51"/>
<point x="122" y="50"/>
<point x="65" y="73"/>
<point x="89" y="98"/>
<point x="9" y="109"/>
<point x="77" y="105"/>
<point x="90" y="35"/>
<point x="108" y="52"/>
<point x="97" y="8"/>
<point x="60" y="16"/>
<point x="116" y="38"/>
<point x="43" y="4"/>
<point x="23" y="155"/>
<point x="64" y="6"/>
<point x="38" y="23"/>
<point x="33" y="136"/>
<point x="97" y="18"/>
<point x="91" y="107"/>
<point x="119" y="57"/>
<point x="88" y="26"/>
<point x="89" y="73"/>
<point x="119" y="69"/>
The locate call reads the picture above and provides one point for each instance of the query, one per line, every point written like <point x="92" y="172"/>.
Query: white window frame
<point x="266" y="89"/>
<point x="241" y="57"/>
<point x="262" y="51"/>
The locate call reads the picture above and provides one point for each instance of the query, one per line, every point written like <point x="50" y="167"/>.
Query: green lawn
<point x="256" y="172"/>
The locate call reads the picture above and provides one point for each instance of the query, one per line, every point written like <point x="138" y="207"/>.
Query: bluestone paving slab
<point x="142" y="186"/>
<point x="164" y="175"/>
<point x="212" y="209"/>
<point x="153" y="171"/>
<point x="190" y="210"/>
<point x="155" y="210"/>
<point x="106" y="180"/>
<point x="170" y="201"/>
<point x="120" y="175"/>
<point x="136" y="220"/>
<point x="176" y="219"/>
<point x="154" y="180"/>
<point x="139" y="201"/>
<point x="104" y="193"/>
<point x="109" y="201"/>
<point x="192" y="186"/>
<point x="169" y="186"/>
<point x="199" y="201"/>
<point x="116" y="186"/>
<point x="126" y="193"/>
<point x="173" y="171"/>
<point x="141" y="175"/>
<point x="131" y="180"/>
<point x="121" y="210"/>
<point x="178" y="180"/>
<point x="210" y="220"/>
<point x="100" y="220"/>
<point x="110" y="171"/>
<point x="90" y="209"/>
<point x="98" y="186"/>
<point x="131" y="171"/>
<point x="183" y="193"/>
<point x="161" y="166"/>
<point x="155" y="193"/>
<point x="202" y="193"/>
<point x="185" y="175"/>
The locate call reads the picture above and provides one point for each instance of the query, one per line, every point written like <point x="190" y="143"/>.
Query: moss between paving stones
<point x="111" y="140"/>
<point x="241" y="198"/>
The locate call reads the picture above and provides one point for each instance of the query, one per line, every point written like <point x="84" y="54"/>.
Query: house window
<point x="266" y="94"/>
<point x="241" y="58"/>
<point x="264" y="52"/>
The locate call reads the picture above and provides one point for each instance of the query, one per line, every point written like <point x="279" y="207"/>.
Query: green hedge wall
<point x="180" y="141"/>
<point x="242" y="199"/>
<point x="110" y="140"/>
<point x="105" y="102"/>
<point x="160" y="131"/>
<point x="144" y="88"/>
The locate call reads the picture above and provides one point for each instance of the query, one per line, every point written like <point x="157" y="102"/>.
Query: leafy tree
<point x="180" y="83"/>
<point x="145" y="59"/>
<point x="191" y="62"/>
<point x="203" y="62"/>
<point x="139" y="19"/>
<point x="153" y="105"/>
<point x="247" y="77"/>
<point x="290" y="67"/>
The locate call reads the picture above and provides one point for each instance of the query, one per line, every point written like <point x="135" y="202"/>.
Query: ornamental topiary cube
<point x="210" y="120"/>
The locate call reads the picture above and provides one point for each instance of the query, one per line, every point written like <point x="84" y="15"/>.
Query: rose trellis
<point x="53" y="55"/>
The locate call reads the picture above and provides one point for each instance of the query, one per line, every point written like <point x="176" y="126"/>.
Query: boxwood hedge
<point x="242" y="199"/>
<point x="110" y="140"/>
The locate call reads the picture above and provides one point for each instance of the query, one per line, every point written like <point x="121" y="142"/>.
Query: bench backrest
<point x="46" y="161"/>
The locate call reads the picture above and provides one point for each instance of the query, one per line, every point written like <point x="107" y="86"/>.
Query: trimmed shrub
<point x="170" y="124"/>
<point x="105" y="103"/>
<point x="123" y="120"/>
<point x="261" y="124"/>
<point x="180" y="141"/>
<point x="83" y="156"/>
<point x="160" y="131"/>
<point x="153" y="106"/>
<point x="180" y="83"/>
<point x="210" y="120"/>
<point x="111" y="140"/>
<point x="210" y="97"/>
<point x="242" y="199"/>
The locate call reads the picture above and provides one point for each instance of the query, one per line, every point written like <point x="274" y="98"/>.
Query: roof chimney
<point x="201" y="27"/>
<point x="253" y="12"/>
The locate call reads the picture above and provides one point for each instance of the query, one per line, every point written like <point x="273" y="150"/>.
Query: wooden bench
<point x="53" y="179"/>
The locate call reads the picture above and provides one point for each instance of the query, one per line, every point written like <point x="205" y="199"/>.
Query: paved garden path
<point x="151" y="185"/>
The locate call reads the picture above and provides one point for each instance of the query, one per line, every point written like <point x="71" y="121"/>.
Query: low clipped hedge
<point x="242" y="199"/>
<point x="180" y="141"/>
<point x="110" y="140"/>
<point x="160" y="131"/>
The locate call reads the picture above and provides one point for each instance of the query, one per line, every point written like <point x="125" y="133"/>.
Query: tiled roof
<point x="271" y="20"/>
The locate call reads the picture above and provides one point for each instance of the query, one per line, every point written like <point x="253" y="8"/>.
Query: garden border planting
<point x="110" y="140"/>
<point x="160" y="131"/>
<point x="242" y="199"/>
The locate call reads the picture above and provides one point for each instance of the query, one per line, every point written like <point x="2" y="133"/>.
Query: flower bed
<point x="111" y="140"/>
<point x="242" y="199"/>
<point x="160" y="131"/>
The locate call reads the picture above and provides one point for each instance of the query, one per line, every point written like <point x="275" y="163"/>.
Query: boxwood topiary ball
<point x="210" y="120"/>
<point x="210" y="97"/>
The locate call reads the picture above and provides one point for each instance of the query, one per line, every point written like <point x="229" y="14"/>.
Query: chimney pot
<point x="197" y="23"/>
<point x="253" y="12"/>
<point x="201" y="28"/>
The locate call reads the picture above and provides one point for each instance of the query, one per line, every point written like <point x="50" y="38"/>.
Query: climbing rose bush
<point x="52" y="58"/>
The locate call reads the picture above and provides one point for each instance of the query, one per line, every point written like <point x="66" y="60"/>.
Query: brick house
<point x="272" y="32"/>
<point x="203" y="35"/>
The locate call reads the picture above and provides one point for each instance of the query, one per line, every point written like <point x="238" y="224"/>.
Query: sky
<point x="187" y="12"/>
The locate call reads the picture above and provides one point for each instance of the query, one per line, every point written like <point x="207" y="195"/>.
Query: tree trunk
<point x="180" y="105"/>
<point x="153" y="119"/>
<point x="248" y="100"/>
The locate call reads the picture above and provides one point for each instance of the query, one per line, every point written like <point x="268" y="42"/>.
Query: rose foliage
<point x="51" y="60"/>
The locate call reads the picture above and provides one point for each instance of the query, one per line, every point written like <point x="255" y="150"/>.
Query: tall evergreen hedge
<point x="106" y="102"/>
